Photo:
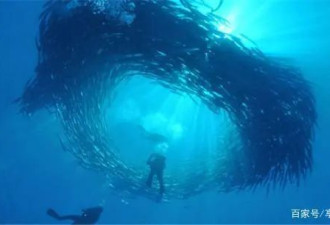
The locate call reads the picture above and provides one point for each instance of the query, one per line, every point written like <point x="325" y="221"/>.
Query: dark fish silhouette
<point x="88" y="216"/>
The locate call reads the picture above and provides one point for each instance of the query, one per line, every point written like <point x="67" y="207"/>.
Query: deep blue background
<point x="36" y="174"/>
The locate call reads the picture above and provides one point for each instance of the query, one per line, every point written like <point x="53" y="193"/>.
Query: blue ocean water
<point x="37" y="174"/>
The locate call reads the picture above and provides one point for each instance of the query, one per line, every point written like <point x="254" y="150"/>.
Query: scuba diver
<point x="156" y="162"/>
<point x="88" y="216"/>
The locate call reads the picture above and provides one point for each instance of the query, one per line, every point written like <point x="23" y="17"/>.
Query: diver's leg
<point x="70" y="217"/>
<point x="55" y="215"/>
<point x="161" y="181"/>
<point x="151" y="175"/>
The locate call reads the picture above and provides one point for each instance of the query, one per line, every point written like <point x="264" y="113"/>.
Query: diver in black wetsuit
<point x="88" y="216"/>
<point x="156" y="163"/>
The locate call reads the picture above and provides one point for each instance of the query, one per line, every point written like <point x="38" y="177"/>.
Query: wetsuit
<point x="89" y="216"/>
<point x="156" y="163"/>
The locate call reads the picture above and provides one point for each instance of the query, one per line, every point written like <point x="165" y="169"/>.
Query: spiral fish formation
<point x="87" y="47"/>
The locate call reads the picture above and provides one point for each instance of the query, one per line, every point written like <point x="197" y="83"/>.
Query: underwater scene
<point x="164" y="112"/>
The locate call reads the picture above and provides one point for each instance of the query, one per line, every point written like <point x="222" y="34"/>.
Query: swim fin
<point x="52" y="213"/>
